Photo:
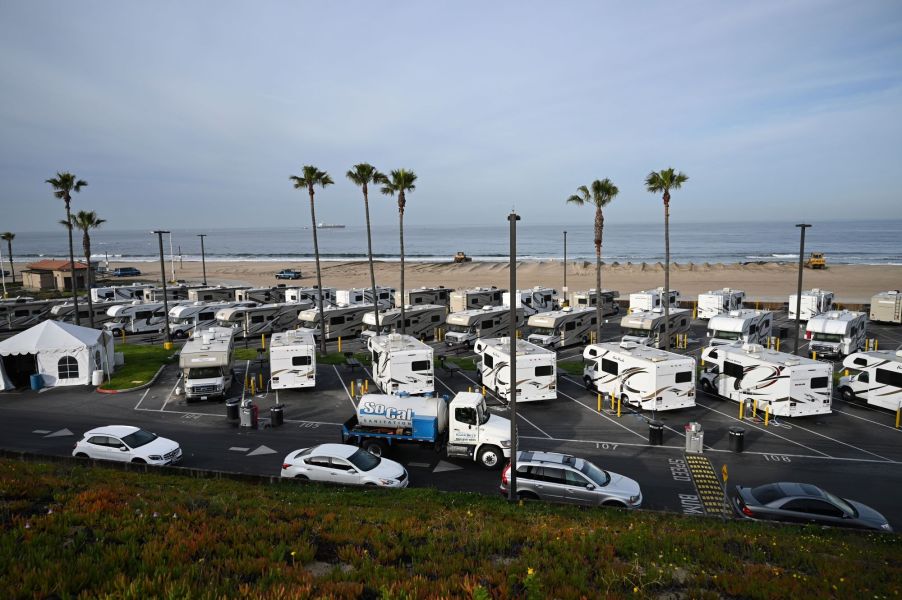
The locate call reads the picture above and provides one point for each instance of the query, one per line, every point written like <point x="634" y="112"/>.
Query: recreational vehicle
<point x="184" y="319"/>
<point x="785" y="384"/>
<point x="878" y="381"/>
<point x="609" y="304"/>
<point x="814" y="302"/>
<point x="292" y="360"/>
<point x="266" y="295"/>
<point x="886" y="307"/>
<point x="402" y="363"/>
<point x="248" y="321"/>
<point x="206" y="363"/>
<point x="466" y="326"/>
<point x="649" y="300"/>
<point x="217" y="293"/>
<point x="425" y="295"/>
<point x="738" y="327"/>
<point x="647" y="328"/>
<point x="536" y="300"/>
<point x="559" y="328"/>
<point x="21" y="313"/>
<point x="341" y="321"/>
<point x="173" y="292"/>
<point x="419" y="321"/>
<point x="536" y="375"/>
<point x="358" y="296"/>
<point x="837" y="332"/>
<point x="717" y="302"/>
<point x="473" y="298"/>
<point x="309" y="294"/>
<point x="137" y="317"/>
<point x="120" y="292"/>
<point x="640" y="376"/>
<point x="66" y="312"/>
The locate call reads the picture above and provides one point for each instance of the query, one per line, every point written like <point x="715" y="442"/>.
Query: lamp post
<point x="159" y="234"/>
<point x="565" y="263"/>
<point x="512" y="395"/>
<point x="203" y="260"/>
<point x="802" y="227"/>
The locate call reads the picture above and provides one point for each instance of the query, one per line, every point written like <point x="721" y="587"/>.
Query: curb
<point x="153" y="380"/>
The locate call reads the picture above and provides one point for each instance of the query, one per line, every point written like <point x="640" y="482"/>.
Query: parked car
<point x="288" y="274"/>
<point x="563" y="478"/>
<point x="127" y="444"/>
<point x="805" y="503"/>
<point x="126" y="272"/>
<point x="343" y="463"/>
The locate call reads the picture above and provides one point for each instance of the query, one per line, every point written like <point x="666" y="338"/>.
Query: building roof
<point x="55" y="265"/>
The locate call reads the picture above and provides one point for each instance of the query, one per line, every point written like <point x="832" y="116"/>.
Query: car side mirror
<point x="123" y="449"/>
<point x="590" y="487"/>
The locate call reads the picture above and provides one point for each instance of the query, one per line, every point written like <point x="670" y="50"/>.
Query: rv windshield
<point x="183" y="322"/>
<point x="543" y="330"/>
<point x="459" y="328"/>
<point x="636" y="332"/>
<point x="311" y="324"/>
<point x="726" y="335"/>
<point x="204" y="373"/>
<point x="827" y="337"/>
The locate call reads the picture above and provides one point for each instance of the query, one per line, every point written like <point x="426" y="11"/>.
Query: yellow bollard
<point x="339" y="343"/>
<point x="845" y="373"/>
<point x="875" y="344"/>
<point x="123" y="336"/>
<point x="814" y="356"/>
<point x="245" y="380"/>
<point x="618" y="407"/>
<point x="253" y="386"/>
<point x="470" y="388"/>
<point x="898" y="414"/>
<point x="741" y="410"/>
<point x="263" y="341"/>
<point x="757" y="304"/>
<point x="599" y="401"/>
<point x="366" y="386"/>
<point x="612" y="401"/>
<point x="754" y="409"/>
<point x="483" y="390"/>
<point x="778" y="344"/>
<point x="353" y="390"/>
<point x="260" y="381"/>
<point x="694" y="310"/>
<point x="766" y="414"/>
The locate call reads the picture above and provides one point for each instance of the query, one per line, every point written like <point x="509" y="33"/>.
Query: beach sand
<point x="771" y="282"/>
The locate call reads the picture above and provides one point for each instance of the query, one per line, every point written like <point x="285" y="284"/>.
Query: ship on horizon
<point x="322" y="225"/>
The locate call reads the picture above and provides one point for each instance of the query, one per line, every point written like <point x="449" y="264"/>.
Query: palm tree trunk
<point x="599" y="231"/>
<point x="72" y="263"/>
<point x="319" y="279"/>
<point x="666" y="299"/>
<point x="12" y="269"/>
<point x="369" y="247"/>
<point x="401" y="229"/>
<point x="86" y="243"/>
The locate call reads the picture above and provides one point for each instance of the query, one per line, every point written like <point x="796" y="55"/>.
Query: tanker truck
<point x="463" y="427"/>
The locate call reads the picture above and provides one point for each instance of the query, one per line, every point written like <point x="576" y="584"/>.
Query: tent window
<point x="67" y="368"/>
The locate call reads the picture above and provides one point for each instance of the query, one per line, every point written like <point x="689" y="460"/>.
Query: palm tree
<point x="63" y="185"/>
<point x="312" y="177"/>
<point x="362" y="175"/>
<point x="401" y="182"/>
<point x="87" y="220"/>
<point x="601" y="194"/>
<point x="8" y="237"/>
<point x="656" y="182"/>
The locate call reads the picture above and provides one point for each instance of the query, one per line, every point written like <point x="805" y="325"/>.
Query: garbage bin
<point x="737" y="439"/>
<point x="655" y="433"/>
<point x="695" y="438"/>
<point x="37" y="381"/>
<point x="249" y="415"/>
<point x="277" y="415"/>
<point x="232" y="405"/>
<point x="96" y="377"/>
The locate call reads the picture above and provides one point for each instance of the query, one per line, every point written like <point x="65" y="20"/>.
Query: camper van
<point x="738" y="327"/>
<point x="647" y="328"/>
<point x="292" y="360"/>
<point x="358" y="296"/>
<point x="609" y="304"/>
<point x="837" y="332"/>
<point x="265" y="295"/>
<point x="718" y="302"/>
<point x="173" y="292"/>
<point x="425" y="295"/>
<point x="341" y="321"/>
<point x="472" y="298"/>
<point x="185" y="319"/>
<point x="640" y="376"/>
<point x="814" y="302"/>
<point x="792" y="386"/>
<point x="466" y="326"/>
<point x="21" y="313"/>
<point x="559" y="328"/>
<point x="402" y="364"/>
<point x="206" y="363"/>
<point x="248" y="321"/>
<point x="309" y="294"/>
<point x="536" y="300"/>
<point x="66" y="312"/>
<point x="886" y="307"/>
<point x="536" y="369"/>
<point x="878" y="381"/>
<point x="420" y="320"/>
<point x="137" y="317"/>
<point x="120" y="292"/>
<point x="217" y="293"/>
<point x="649" y="300"/>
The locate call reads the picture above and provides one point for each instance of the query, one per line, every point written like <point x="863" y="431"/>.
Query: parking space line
<point x="839" y="441"/>
<point x="169" y="397"/>
<point x="220" y="416"/>
<point x="143" y="396"/>
<point x="537" y="428"/>
<point x="842" y="412"/>
<point x="337" y="374"/>
<point x="593" y="411"/>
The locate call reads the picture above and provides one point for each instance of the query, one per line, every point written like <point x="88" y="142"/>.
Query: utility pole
<point x="512" y="395"/>
<point x="565" y="263"/>
<point x="163" y="277"/>
<point x="203" y="259"/>
<point x="803" y="227"/>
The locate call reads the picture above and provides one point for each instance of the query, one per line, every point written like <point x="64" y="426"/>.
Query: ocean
<point x="853" y="242"/>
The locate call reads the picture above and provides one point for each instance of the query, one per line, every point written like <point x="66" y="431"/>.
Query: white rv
<point x="792" y="386"/>
<point x="66" y="312"/>
<point x="309" y="294"/>
<point x="609" y="304"/>
<point x="120" y="292"/>
<point x="649" y="300"/>
<point x="137" y="317"/>
<point x="640" y="376"/>
<point x="717" y="302"/>
<point x="560" y="328"/>
<point x="473" y="298"/>
<point x="358" y="296"/>
<point x="185" y="319"/>
<point x="217" y="293"/>
<point x="206" y="363"/>
<point x="738" y="327"/>
<point x="402" y="363"/>
<point x="466" y="326"/>
<point x="425" y="295"/>
<point x="292" y="360"/>
<point x="341" y="321"/>
<point x="814" y="302"/>
<point x="173" y="292"/>
<point x="647" y="328"/>
<point x="248" y="321"/>
<point x="536" y="375"/>
<point x="837" y="332"/>
<point x="886" y="307"/>
<point x="536" y="300"/>
<point x="265" y="295"/>
<point x="21" y="313"/>
<point x="419" y="321"/>
<point x="878" y="381"/>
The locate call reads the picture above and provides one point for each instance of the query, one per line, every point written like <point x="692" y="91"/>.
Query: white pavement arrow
<point x="261" y="450"/>
<point x="445" y="466"/>
<point x="60" y="433"/>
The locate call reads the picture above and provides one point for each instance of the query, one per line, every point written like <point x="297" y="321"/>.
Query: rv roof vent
<point x="206" y="338"/>
<point x="789" y="362"/>
<point x="658" y="357"/>
<point x="487" y="307"/>
<point x="899" y="353"/>
<point x="727" y="290"/>
<point x="567" y="309"/>
<point x="394" y="337"/>
<point x="752" y="348"/>
<point x="657" y="310"/>
<point x="627" y="345"/>
<point x="734" y="313"/>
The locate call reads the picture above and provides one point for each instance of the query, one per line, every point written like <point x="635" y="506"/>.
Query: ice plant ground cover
<point x="70" y="530"/>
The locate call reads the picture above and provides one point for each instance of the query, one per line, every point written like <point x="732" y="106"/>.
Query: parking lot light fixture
<point x="203" y="259"/>
<point x="512" y="394"/>
<point x="159" y="233"/>
<point x="802" y="227"/>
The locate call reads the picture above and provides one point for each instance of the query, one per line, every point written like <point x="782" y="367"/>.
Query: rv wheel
<point x="179" y="334"/>
<point x="588" y="382"/>
<point x="706" y="386"/>
<point x="848" y="395"/>
<point x="374" y="447"/>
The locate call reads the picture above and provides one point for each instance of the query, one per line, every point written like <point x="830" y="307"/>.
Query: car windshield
<point x="543" y="330"/>
<point x="840" y="503"/>
<point x="139" y="438"/>
<point x="726" y="335"/>
<point x="827" y="337"/>
<point x="364" y="461"/>
<point x="637" y="332"/>
<point x="599" y="476"/>
<point x="204" y="373"/>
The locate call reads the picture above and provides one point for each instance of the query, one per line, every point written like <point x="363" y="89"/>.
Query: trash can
<point x="37" y="381"/>
<point x="96" y="377"/>
<point x="737" y="439"/>
<point x="655" y="433"/>
<point x="277" y="415"/>
<point x="232" y="405"/>
<point x="249" y="415"/>
<point x="695" y="438"/>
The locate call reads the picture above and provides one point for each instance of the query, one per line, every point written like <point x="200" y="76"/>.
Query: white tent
<point x="64" y="354"/>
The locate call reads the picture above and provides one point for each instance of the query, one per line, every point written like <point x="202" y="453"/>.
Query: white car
<point x="127" y="444"/>
<point x="345" y="464"/>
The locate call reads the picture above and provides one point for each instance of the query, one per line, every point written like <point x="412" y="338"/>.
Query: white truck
<point x="358" y="296"/>
<point x="206" y="364"/>
<point x="120" y="292"/>
<point x="250" y="321"/>
<point x="218" y="293"/>
<point x="402" y="363"/>
<point x="743" y="326"/>
<point x="341" y="321"/>
<point x="640" y="376"/>
<point x="475" y="298"/>
<point x="536" y="300"/>
<point x="464" y="427"/>
<point x="792" y="386"/>
<point x="648" y="300"/>
<point x="310" y="294"/>
<point x="814" y="302"/>
<point x="878" y="381"/>
<point x="292" y="360"/>
<point x="609" y="304"/>
<point x="647" y="328"/>
<point x="536" y="375"/>
<point x="837" y="332"/>
<point x="717" y="302"/>
<point x="138" y="317"/>
<point x="466" y="326"/>
<point x="559" y="328"/>
<point x="425" y="295"/>
<point x="886" y="307"/>
<point x="420" y="320"/>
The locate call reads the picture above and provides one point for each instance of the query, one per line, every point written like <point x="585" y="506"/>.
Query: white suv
<point x="127" y="444"/>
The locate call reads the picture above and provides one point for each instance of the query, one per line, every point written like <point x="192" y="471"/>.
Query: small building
<point x="53" y="275"/>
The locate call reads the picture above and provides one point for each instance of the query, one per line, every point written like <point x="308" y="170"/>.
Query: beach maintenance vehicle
<point x="185" y="319"/>
<point x="206" y="364"/>
<point x="816" y="260"/>
<point x="463" y="428"/>
<point x="878" y="380"/>
<point x="648" y="300"/>
<point x="341" y="321"/>
<point x="536" y="375"/>
<point x="647" y="328"/>
<point x="466" y="326"/>
<point x="310" y="294"/>
<point x="475" y="298"/>
<point x="718" y="302"/>
<point x="218" y="293"/>
<point x="536" y="300"/>
<point x="120" y="292"/>
<point x="886" y="307"/>
<point x="292" y="360"/>
<point x="609" y="304"/>
<point x="138" y="317"/>
<point x="738" y="327"/>
<point x="814" y="302"/>
<point x="785" y="384"/>
<point x="560" y="328"/>
<point x="358" y="296"/>
<point x="420" y="321"/>
<point x="425" y="295"/>
<point x="461" y="257"/>
<point x="837" y="332"/>
<point x="402" y="363"/>
<point x="640" y="376"/>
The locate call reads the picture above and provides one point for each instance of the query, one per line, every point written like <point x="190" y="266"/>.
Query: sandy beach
<point x="772" y="282"/>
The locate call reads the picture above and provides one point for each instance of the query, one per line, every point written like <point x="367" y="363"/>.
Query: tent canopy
<point x="51" y="336"/>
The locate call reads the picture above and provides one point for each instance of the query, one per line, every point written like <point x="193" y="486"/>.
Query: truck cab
<point x="475" y="433"/>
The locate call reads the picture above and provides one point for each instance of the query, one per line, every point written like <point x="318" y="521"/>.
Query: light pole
<point x="203" y="260"/>
<point x="565" y="263"/>
<point x="159" y="234"/>
<point x="512" y="395"/>
<point x="803" y="227"/>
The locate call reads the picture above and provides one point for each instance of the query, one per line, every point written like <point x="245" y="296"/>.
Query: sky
<point x="196" y="113"/>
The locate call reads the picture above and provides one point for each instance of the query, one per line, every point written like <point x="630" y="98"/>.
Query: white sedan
<point x="345" y="464"/>
<point x="127" y="444"/>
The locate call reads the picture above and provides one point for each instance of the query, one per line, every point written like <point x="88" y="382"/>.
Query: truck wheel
<point x="848" y="395"/>
<point x="490" y="457"/>
<point x="374" y="447"/>
<point x="588" y="382"/>
<point x="179" y="334"/>
<point x="115" y="332"/>
<point x="706" y="386"/>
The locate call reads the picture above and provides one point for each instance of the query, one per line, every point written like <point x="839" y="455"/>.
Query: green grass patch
<point x="141" y="363"/>
<point x="571" y="367"/>
<point x="245" y="354"/>
<point x="339" y="358"/>
<point x="467" y="364"/>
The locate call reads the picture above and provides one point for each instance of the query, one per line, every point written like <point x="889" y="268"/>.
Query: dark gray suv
<point x="563" y="478"/>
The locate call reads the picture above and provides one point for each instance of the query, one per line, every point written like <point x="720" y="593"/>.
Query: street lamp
<point x="159" y="234"/>
<point x="512" y="395"/>
<point x="565" y="264"/>
<point x="203" y="260"/>
<point x="803" y="227"/>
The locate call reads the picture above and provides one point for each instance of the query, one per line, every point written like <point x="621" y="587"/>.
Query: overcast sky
<point x="181" y="113"/>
